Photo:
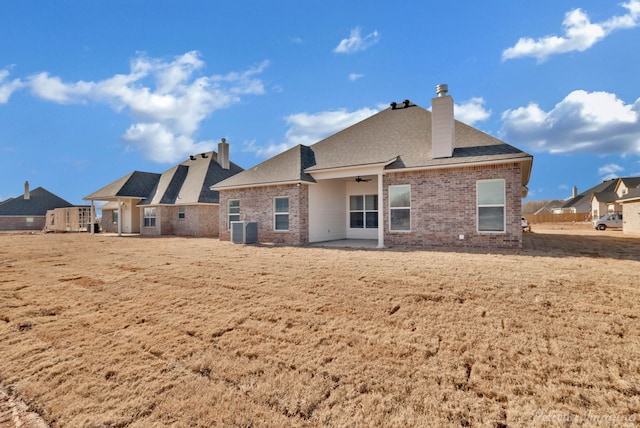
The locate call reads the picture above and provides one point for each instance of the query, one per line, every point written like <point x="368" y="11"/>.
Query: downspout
<point x="380" y="212"/>
<point x="119" y="218"/>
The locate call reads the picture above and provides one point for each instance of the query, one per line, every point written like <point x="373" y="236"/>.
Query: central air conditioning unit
<point x="244" y="232"/>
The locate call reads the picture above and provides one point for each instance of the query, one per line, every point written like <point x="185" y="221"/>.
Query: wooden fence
<point x="557" y="218"/>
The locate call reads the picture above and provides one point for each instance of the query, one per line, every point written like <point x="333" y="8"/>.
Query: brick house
<point x="28" y="211"/>
<point x="177" y="202"/>
<point x="404" y="177"/>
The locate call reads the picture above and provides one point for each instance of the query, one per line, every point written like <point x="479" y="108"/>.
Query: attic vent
<point x="406" y="103"/>
<point x="393" y="106"/>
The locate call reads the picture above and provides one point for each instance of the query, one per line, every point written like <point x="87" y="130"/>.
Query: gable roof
<point x="39" y="202"/>
<point x="582" y="201"/>
<point x="136" y="184"/>
<point x="395" y="137"/>
<point x="189" y="182"/>
<point x="186" y="183"/>
<point x="631" y="196"/>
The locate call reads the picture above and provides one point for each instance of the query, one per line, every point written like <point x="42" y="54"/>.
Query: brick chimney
<point x="223" y="153"/>
<point x="442" y="123"/>
<point x="27" y="193"/>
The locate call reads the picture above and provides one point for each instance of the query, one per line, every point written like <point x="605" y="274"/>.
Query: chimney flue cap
<point x="442" y="89"/>
<point x="224" y="140"/>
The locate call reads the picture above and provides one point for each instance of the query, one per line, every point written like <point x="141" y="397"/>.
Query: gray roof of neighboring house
<point x="550" y="206"/>
<point x="39" y="202"/>
<point x="186" y="183"/>
<point x="136" y="184"/>
<point x="582" y="202"/>
<point x="190" y="181"/>
<point x="399" y="137"/>
<point x="633" y="194"/>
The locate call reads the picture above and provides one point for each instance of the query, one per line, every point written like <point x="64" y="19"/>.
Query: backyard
<point x="99" y="330"/>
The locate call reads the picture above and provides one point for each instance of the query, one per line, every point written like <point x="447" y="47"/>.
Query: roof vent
<point x="192" y="157"/>
<point x="442" y="89"/>
<point x="204" y="155"/>
<point x="393" y="106"/>
<point x="406" y="103"/>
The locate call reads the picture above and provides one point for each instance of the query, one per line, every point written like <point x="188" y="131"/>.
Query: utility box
<point x="244" y="232"/>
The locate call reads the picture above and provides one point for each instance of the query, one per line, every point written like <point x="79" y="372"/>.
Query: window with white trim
<point x="400" y="208"/>
<point x="491" y="198"/>
<point x="114" y="216"/>
<point x="181" y="213"/>
<point x="150" y="217"/>
<point x="281" y="214"/>
<point x="233" y="211"/>
<point x="363" y="211"/>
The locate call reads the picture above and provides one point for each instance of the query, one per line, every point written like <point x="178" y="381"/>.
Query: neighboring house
<point x="551" y="207"/>
<point x="581" y="203"/>
<point x="176" y="202"/>
<point x="404" y="177"/>
<point x="69" y="219"/>
<point x="630" y="203"/>
<point x="28" y="212"/>
<point x="606" y="202"/>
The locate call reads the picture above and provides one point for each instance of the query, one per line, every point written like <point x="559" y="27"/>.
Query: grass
<point x="106" y="331"/>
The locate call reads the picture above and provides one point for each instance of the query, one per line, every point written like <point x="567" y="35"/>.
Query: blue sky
<point x="92" y="90"/>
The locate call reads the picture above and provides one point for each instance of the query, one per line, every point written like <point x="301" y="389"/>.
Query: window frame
<point x="182" y="214"/>
<point x="114" y="217"/>
<point x="149" y="220"/>
<point x="364" y="211"/>
<point x="398" y="208"/>
<point x="502" y="205"/>
<point x="277" y="214"/>
<point x="231" y="214"/>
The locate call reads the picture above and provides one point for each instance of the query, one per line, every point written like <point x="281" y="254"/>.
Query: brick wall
<point x="199" y="220"/>
<point x="257" y="204"/>
<point x="443" y="207"/>
<point x="20" y="223"/>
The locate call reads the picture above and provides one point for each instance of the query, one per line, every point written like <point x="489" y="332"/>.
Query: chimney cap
<point x="442" y="89"/>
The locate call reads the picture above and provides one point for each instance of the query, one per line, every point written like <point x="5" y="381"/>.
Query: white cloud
<point x="355" y="42"/>
<point x="610" y="171"/>
<point x="583" y="122"/>
<point x="9" y="87"/>
<point x="355" y="76"/>
<point x="167" y="99"/>
<point x="471" y="111"/>
<point x="580" y="34"/>
<point x="307" y="129"/>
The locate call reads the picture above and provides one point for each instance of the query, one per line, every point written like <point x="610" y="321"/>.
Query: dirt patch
<point x="198" y="332"/>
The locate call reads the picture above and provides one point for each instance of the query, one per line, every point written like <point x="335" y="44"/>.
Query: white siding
<point x="327" y="211"/>
<point x="631" y="218"/>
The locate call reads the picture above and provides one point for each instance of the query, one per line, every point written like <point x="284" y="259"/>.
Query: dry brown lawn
<point x="107" y="331"/>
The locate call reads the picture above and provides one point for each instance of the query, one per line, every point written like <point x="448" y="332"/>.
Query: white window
<point x="233" y="211"/>
<point x="491" y="205"/>
<point x="281" y="214"/>
<point x="115" y="217"/>
<point x="400" y="207"/>
<point x="150" y="217"/>
<point x="29" y="220"/>
<point x="181" y="213"/>
<point x="363" y="211"/>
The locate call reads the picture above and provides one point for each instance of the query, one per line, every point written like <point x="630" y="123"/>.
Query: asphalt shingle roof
<point x="399" y="137"/>
<point x="186" y="183"/>
<point x="39" y="202"/>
